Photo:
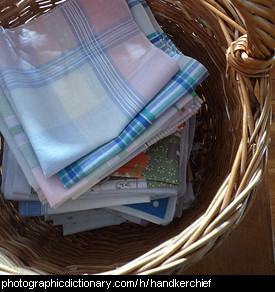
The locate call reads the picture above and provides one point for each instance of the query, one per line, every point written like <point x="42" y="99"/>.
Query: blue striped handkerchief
<point x="185" y="81"/>
<point x="78" y="75"/>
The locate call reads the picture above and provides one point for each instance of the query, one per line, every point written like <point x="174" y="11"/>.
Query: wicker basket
<point x="235" y="40"/>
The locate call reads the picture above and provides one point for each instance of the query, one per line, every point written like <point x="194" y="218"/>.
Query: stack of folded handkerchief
<point x="97" y="110"/>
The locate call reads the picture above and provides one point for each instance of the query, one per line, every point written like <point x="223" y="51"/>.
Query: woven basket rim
<point x="243" y="30"/>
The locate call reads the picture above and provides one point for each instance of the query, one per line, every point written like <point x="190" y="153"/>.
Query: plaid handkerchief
<point x="52" y="188"/>
<point x="181" y="84"/>
<point x="185" y="81"/>
<point x="78" y="75"/>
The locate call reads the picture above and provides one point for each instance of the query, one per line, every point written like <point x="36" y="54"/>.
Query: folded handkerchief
<point x="158" y="166"/>
<point x="160" y="211"/>
<point x="163" y="108"/>
<point x="87" y="220"/>
<point x="75" y="222"/>
<point x="191" y="74"/>
<point x="182" y="83"/>
<point x="149" y="26"/>
<point x="10" y="168"/>
<point x="51" y="189"/>
<point x="78" y="75"/>
<point x="15" y="187"/>
<point x="91" y="201"/>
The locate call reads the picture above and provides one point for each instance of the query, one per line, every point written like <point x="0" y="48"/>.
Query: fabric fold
<point x="77" y="85"/>
<point x="171" y="106"/>
<point x="185" y="81"/>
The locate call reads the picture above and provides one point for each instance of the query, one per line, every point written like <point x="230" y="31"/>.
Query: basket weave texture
<point x="235" y="40"/>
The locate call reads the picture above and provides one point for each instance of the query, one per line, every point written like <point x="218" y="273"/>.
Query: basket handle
<point x="259" y="18"/>
<point x="251" y="56"/>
